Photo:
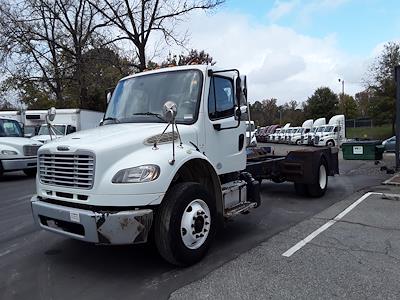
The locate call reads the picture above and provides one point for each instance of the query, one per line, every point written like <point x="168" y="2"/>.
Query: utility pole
<point x="397" y="78"/>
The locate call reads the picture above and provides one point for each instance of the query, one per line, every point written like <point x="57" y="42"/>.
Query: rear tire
<point x="30" y="172"/>
<point x="185" y="224"/>
<point x="319" y="188"/>
<point x="298" y="142"/>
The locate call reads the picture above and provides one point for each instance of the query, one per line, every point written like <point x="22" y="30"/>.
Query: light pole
<point x="341" y="103"/>
<point x="342" y="81"/>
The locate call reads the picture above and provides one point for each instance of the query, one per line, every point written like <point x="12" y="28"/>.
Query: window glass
<point x="221" y="98"/>
<point x="10" y="128"/>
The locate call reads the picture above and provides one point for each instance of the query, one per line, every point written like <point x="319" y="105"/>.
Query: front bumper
<point x="117" y="228"/>
<point x="19" y="163"/>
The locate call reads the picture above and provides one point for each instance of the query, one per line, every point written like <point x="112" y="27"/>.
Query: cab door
<point x="224" y="131"/>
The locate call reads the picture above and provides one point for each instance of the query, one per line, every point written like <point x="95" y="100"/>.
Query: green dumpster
<point x="363" y="150"/>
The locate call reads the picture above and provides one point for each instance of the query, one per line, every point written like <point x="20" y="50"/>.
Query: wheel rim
<point x="322" y="177"/>
<point x="195" y="224"/>
<point x="330" y="144"/>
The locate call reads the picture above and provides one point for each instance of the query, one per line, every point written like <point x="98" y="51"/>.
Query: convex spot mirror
<point x="169" y="111"/>
<point x="51" y="114"/>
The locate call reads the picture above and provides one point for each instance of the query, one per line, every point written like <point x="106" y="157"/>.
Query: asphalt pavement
<point x="40" y="265"/>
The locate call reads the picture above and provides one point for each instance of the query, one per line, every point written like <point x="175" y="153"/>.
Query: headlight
<point x="9" y="152"/>
<point x="144" y="173"/>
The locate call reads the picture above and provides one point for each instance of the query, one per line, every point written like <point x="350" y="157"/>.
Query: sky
<point x="288" y="48"/>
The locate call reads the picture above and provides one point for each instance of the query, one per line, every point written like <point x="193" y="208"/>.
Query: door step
<point x="240" y="208"/>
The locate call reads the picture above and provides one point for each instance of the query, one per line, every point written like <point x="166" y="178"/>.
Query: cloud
<point x="280" y="9"/>
<point x="280" y="62"/>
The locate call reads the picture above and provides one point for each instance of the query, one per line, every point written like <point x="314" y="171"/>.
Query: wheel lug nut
<point x="193" y="232"/>
<point x="192" y="225"/>
<point x="205" y="230"/>
<point x="205" y="217"/>
<point x="207" y="223"/>
<point x="201" y="235"/>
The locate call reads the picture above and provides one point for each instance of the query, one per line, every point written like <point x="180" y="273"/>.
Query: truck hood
<point x="18" y="141"/>
<point x="119" y="138"/>
<point x="45" y="138"/>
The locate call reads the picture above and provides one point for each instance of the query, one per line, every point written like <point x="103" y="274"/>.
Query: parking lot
<point x="355" y="257"/>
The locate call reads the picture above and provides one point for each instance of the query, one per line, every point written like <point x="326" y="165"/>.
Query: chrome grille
<point x="31" y="150"/>
<point x="67" y="170"/>
<point x="316" y="139"/>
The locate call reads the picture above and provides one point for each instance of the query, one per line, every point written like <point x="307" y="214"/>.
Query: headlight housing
<point x="138" y="174"/>
<point x="9" y="152"/>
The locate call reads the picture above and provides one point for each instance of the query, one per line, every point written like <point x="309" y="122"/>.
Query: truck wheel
<point x="318" y="189"/>
<point x="298" y="142"/>
<point x="301" y="189"/>
<point x="30" y="172"/>
<point x="185" y="224"/>
<point x="330" y="143"/>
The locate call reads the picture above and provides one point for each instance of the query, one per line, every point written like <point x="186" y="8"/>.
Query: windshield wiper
<point x="111" y="119"/>
<point x="149" y="114"/>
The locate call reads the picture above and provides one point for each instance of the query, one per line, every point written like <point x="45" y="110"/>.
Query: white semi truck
<point x="66" y="121"/>
<point x="170" y="158"/>
<point x="333" y="134"/>
<point x="16" y="152"/>
<point x="308" y="138"/>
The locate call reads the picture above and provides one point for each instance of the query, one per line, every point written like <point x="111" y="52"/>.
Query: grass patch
<point x="373" y="133"/>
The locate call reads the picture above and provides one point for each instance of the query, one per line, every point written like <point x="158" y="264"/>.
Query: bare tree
<point x="45" y="41"/>
<point x="136" y="20"/>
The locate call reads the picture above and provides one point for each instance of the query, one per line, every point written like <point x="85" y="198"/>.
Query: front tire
<point x="185" y="224"/>
<point x="330" y="143"/>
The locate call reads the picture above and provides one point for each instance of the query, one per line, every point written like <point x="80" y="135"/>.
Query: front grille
<point x="309" y="139"/>
<point x="31" y="150"/>
<point x="316" y="139"/>
<point x="67" y="170"/>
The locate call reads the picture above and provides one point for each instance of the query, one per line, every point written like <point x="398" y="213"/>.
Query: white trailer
<point x="66" y="121"/>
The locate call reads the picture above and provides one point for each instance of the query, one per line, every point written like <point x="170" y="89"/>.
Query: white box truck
<point x="66" y="121"/>
<point x="170" y="158"/>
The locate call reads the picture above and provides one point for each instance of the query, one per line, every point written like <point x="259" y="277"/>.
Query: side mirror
<point x="51" y="114"/>
<point x="108" y="97"/>
<point x="169" y="111"/>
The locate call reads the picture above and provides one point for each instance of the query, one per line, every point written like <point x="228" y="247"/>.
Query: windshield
<point x="10" y="128"/>
<point x="321" y="129"/>
<point x="59" y="130"/>
<point x="29" y="130"/>
<point x="141" y="99"/>
<point x="329" y="129"/>
<point x="314" y="129"/>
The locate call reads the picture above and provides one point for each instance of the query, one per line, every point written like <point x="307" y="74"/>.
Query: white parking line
<point x="324" y="227"/>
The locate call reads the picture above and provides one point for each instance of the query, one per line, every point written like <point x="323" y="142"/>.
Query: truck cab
<point x="16" y="152"/>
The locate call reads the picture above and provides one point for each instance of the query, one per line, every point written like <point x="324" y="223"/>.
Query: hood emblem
<point x="62" y="148"/>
